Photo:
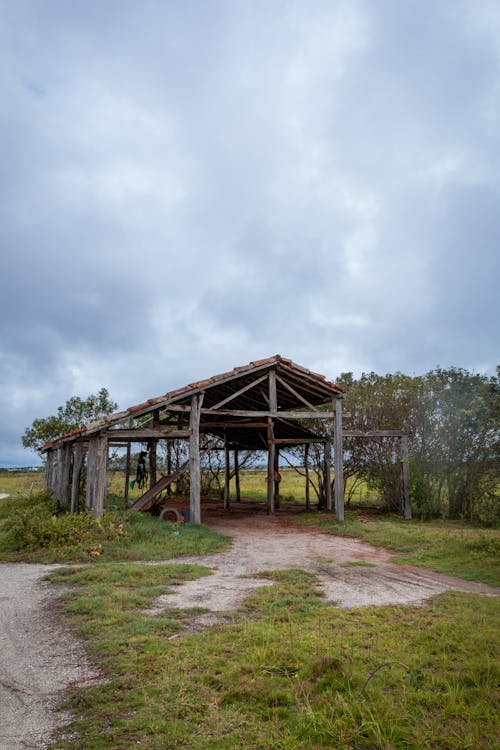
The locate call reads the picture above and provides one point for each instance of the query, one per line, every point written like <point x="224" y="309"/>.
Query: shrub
<point x="38" y="524"/>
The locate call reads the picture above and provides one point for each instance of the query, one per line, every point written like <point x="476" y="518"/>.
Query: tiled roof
<point x="177" y="395"/>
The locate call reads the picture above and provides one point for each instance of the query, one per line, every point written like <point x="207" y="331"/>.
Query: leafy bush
<point x="37" y="524"/>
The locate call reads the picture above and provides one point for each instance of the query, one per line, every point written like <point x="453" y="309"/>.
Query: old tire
<point x="170" y="514"/>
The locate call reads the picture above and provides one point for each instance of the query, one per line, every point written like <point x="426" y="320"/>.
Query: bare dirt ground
<point x="40" y="659"/>
<point x="262" y="543"/>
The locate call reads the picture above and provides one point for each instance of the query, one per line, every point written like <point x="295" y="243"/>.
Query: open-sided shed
<point x="265" y="405"/>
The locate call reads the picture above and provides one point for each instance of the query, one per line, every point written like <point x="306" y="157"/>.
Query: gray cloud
<point x="186" y="187"/>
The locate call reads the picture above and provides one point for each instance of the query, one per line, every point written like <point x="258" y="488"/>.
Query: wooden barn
<point x="265" y="405"/>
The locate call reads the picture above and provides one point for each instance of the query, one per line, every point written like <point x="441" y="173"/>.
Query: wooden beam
<point x="207" y="426"/>
<point x="194" y="459"/>
<point x="255" y="413"/>
<point x="142" y="434"/>
<point x="338" y="454"/>
<point x="297" y="441"/>
<point x="238" y="393"/>
<point x="78" y="460"/>
<point x="295" y="393"/>
<point x="405" y="478"/>
<point x="273" y="396"/>
<point x="127" y="476"/>
<point x="372" y="433"/>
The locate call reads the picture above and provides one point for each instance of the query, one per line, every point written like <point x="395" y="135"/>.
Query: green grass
<point x="445" y="546"/>
<point x="289" y="672"/>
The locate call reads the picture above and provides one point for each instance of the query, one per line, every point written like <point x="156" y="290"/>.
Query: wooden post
<point x="276" y="483"/>
<point x="127" y="476"/>
<point x="306" y="467"/>
<point x="97" y="474"/>
<point x="328" y="474"/>
<point x="270" y="466"/>
<point x="78" y="459"/>
<point x="227" y="477"/>
<point x="237" y="476"/>
<point x="194" y="459"/>
<point x="169" y="465"/>
<point x="339" y="461"/>
<point x="152" y="463"/>
<point x="405" y="478"/>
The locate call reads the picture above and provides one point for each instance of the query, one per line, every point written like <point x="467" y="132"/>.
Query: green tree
<point x="76" y="412"/>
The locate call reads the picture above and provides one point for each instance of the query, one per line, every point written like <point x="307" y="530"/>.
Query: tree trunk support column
<point x="78" y="459"/>
<point x="273" y="407"/>
<point x="306" y="467"/>
<point x="339" y="461"/>
<point x="403" y="445"/>
<point x="276" y="483"/>
<point x="97" y="461"/>
<point x="194" y="459"/>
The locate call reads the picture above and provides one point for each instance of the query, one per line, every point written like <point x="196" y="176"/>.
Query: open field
<point x="285" y="671"/>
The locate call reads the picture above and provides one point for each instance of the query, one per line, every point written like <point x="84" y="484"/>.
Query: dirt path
<point x="39" y="658"/>
<point x="263" y="543"/>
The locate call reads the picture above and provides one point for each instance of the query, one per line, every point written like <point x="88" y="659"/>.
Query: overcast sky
<point x="190" y="185"/>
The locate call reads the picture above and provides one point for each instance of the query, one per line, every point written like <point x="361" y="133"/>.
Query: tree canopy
<point x="76" y="412"/>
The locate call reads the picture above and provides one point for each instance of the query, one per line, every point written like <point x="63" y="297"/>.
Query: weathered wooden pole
<point x="328" y="474"/>
<point x="97" y="461"/>
<point x="237" y="476"/>
<point x="306" y="467"/>
<point x="276" y="481"/>
<point x="169" y="465"/>
<point x="152" y="463"/>
<point x="339" y="460"/>
<point x="194" y="459"/>
<point x="273" y="407"/>
<point x="78" y="459"/>
<point x="405" y="478"/>
<point x="227" y="474"/>
<point x="127" y="475"/>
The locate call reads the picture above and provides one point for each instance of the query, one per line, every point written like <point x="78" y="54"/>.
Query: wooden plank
<point x="405" y="478"/>
<point x="78" y="460"/>
<point x="338" y="454"/>
<point x="297" y="441"/>
<point x="194" y="459"/>
<point x="207" y="426"/>
<point x="234" y="395"/>
<point x="49" y="470"/>
<point x="328" y="475"/>
<point x="147" y="500"/>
